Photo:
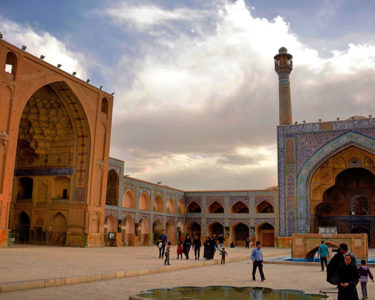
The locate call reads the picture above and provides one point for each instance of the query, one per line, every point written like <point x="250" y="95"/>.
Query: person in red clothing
<point x="179" y="249"/>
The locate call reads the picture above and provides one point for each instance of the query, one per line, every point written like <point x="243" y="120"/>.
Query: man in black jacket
<point x="197" y="246"/>
<point x="337" y="261"/>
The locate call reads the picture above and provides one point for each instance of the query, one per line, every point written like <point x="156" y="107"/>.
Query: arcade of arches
<point x="343" y="193"/>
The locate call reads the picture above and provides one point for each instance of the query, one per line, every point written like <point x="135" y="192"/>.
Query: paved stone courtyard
<point x="31" y="262"/>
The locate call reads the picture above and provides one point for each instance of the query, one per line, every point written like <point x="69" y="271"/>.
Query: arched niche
<point x="129" y="200"/>
<point x="239" y="208"/>
<point x="157" y="227"/>
<point x="143" y="232"/>
<point x="266" y="234"/>
<point x="25" y="188"/>
<point x="61" y="188"/>
<point x="181" y="207"/>
<point x="158" y="204"/>
<point x="215" y="208"/>
<point x="215" y="228"/>
<point x="193" y="229"/>
<point x="104" y="107"/>
<point x="11" y="65"/>
<point x="239" y="232"/>
<point x="171" y="232"/>
<point x="113" y="182"/>
<point x="171" y="206"/>
<point x="144" y="202"/>
<point x="129" y="231"/>
<point x="59" y="229"/>
<point x="264" y="208"/>
<point x="193" y="207"/>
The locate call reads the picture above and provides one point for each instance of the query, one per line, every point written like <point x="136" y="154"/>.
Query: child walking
<point x="179" y="249"/>
<point x="167" y="251"/>
<point x="223" y="254"/>
<point x="364" y="272"/>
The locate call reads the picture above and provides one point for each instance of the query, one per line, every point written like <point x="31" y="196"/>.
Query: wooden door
<point x="268" y="239"/>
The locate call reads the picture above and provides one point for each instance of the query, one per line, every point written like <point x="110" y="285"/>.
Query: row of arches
<point x="142" y="234"/>
<point x="26" y="233"/>
<point x="237" y="208"/>
<point x="144" y="202"/>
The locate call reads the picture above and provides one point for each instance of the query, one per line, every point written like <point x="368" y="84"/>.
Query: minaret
<point x="283" y="67"/>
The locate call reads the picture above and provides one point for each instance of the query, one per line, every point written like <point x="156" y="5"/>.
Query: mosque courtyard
<point x="24" y="266"/>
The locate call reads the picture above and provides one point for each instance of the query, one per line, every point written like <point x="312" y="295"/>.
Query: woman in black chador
<point x="348" y="276"/>
<point x="207" y="247"/>
<point x="186" y="246"/>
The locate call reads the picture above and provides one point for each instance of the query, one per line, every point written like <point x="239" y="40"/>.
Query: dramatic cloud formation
<point x="196" y="103"/>
<point x="55" y="51"/>
<point x="202" y="108"/>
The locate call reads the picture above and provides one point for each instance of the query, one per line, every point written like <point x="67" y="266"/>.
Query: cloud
<point x="38" y="43"/>
<point x="195" y="99"/>
<point x="146" y="16"/>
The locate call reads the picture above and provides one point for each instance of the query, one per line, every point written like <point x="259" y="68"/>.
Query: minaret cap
<point x="283" y="50"/>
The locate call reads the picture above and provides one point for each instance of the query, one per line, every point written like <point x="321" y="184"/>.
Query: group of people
<point x="343" y="271"/>
<point x="211" y="245"/>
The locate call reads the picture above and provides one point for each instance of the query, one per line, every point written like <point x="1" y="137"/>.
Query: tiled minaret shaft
<point x="283" y="67"/>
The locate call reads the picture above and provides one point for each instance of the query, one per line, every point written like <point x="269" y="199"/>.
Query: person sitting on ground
<point x="364" y="273"/>
<point x="167" y="252"/>
<point x="232" y="245"/>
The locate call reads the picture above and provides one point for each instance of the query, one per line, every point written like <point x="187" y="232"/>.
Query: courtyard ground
<point x="31" y="262"/>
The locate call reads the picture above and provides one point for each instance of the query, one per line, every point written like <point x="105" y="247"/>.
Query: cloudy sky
<point x="196" y="103"/>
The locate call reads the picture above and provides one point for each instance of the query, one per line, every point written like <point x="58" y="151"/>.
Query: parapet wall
<point x="306" y="245"/>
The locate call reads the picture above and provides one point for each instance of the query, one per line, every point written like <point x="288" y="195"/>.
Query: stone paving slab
<point x="307" y="278"/>
<point x="53" y="281"/>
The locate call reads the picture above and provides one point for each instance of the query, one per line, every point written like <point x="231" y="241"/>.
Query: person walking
<point x="323" y="253"/>
<point x="223" y="254"/>
<point x="167" y="252"/>
<point x="197" y="246"/>
<point x="221" y="240"/>
<point x="347" y="279"/>
<point x="247" y="242"/>
<point x="206" y="247"/>
<point x="213" y="248"/>
<point x="364" y="273"/>
<point x="257" y="258"/>
<point x="179" y="249"/>
<point x="164" y="240"/>
<point x="187" y="245"/>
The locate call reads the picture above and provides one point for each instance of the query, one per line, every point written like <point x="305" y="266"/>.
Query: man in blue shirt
<point x="257" y="258"/>
<point x="164" y="240"/>
<point x="323" y="253"/>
